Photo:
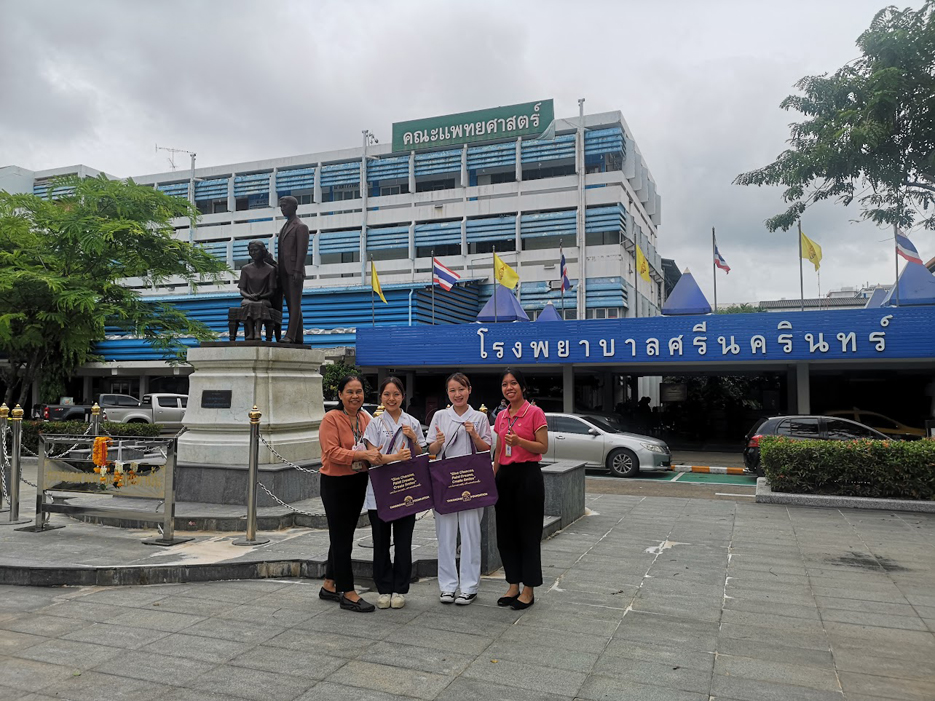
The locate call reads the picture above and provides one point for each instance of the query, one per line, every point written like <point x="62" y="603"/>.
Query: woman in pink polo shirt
<point x="522" y="437"/>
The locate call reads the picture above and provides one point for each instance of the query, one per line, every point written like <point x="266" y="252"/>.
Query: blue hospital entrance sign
<point x="866" y="335"/>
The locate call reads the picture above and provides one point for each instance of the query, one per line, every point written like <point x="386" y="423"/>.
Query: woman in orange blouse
<point x="344" y="463"/>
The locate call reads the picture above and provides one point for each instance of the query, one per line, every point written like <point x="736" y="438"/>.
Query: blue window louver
<point x="253" y="184"/>
<point x="438" y="162"/>
<point x="537" y="151"/>
<point x="340" y="174"/>
<point x="561" y="223"/>
<point x="387" y="237"/>
<point x="438" y="233"/>
<point x="601" y="141"/>
<point x="387" y="168"/>
<point x="491" y="229"/>
<point x="603" y="219"/>
<point x="496" y="155"/>
<point x="174" y="189"/>
<point x="344" y="241"/>
<point x="42" y="190"/>
<point x="211" y="189"/>
<point x="295" y="179"/>
<point x="217" y="249"/>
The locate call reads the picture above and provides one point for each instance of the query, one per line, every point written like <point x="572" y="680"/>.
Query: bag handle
<point x="450" y="440"/>
<point x="399" y="431"/>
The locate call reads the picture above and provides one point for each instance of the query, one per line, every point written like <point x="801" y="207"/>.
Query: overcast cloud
<point x="699" y="83"/>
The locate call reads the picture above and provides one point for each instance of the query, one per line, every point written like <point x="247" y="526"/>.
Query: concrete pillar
<point x="231" y="200"/>
<point x="144" y="385"/>
<point x="273" y="195"/>
<point x="519" y="159"/>
<point x="607" y="398"/>
<point x="568" y="388"/>
<point x="86" y="387"/>
<point x="802" y="389"/>
<point x="317" y="188"/>
<point x="465" y="180"/>
<point x="412" y="171"/>
<point x="410" y="380"/>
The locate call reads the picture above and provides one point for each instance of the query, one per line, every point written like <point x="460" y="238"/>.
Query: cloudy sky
<point x="699" y="83"/>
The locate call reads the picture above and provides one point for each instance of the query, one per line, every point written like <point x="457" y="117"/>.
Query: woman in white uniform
<point x="392" y="576"/>
<point x="452" y="431"/>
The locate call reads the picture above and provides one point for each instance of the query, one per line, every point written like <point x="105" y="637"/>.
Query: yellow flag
<point x="505" y="275"/>
<point x="375" y="282"/>
<point x="642" y="266"/>
<point x="811" y="251"/>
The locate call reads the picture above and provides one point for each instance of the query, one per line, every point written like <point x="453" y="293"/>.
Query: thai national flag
<point x="443" y="276"/>
<point x="566" y="283"/>
<point x="905" y="248"/>
<point x="719" y="260"/>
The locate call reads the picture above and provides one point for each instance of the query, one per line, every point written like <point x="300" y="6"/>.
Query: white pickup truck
<point x="165" y="409"/>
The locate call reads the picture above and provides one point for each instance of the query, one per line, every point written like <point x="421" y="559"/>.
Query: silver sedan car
<point x="602" y="442"/>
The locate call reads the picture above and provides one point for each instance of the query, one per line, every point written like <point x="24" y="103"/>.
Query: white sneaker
<point x="383" y="601"/>
<point x="447" y="597"/>
<point x="398" y="601"/>
<point x="465" y="599"/>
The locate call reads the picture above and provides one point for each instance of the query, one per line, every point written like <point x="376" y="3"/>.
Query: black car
<point x="825" y="428"/>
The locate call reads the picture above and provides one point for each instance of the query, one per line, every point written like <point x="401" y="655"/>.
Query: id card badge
<point x="359" y="465"/>
<point x="508" y="449"/>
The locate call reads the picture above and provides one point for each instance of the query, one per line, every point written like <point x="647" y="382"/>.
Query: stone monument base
<point x="228" y="379"/>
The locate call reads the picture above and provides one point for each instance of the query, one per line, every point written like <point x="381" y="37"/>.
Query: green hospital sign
<point x="527" y="119"/>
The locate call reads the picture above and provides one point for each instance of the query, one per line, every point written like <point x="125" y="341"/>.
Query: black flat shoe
<point x="518" y="605"/>
<point x="507" y="600"/>
<point x="360" y="606"/>
<point x="329" y="595"/>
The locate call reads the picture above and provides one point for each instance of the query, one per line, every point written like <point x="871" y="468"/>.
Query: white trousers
<point x="446" y="530"/>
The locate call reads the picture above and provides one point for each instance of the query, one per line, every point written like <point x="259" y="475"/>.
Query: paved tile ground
<point x="645" y="598"/>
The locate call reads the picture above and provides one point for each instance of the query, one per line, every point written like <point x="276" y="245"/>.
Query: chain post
<point x="96" y="419"/>
<point x="4" y="414"/>
<point x="16" y="424"/>
<point x="252" y="479"/>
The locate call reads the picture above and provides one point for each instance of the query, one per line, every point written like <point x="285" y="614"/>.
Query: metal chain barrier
<point x="282" y="459"/>
<point x="282" y="503"/>
<point x="5" y="465"/>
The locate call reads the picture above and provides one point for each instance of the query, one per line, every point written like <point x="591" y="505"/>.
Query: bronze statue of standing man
<point x="293" y="249"/>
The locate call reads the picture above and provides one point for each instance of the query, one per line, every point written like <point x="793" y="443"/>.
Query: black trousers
<point x="392" y="577"/>
<point x="343" y="499"/>
<point x="520" y="509"/>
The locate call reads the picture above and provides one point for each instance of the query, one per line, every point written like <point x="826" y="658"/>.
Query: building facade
<point x="579" y="184"/>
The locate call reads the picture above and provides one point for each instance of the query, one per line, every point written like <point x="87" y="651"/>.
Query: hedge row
<point x="880" y="469"/>
<point x="32" y="429"/>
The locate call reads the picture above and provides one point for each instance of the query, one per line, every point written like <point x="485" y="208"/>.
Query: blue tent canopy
<point x="876" y="299"/>
<point x="686" y="298"/>
<point x="507" y="309"/>
<point x="549" y="314"/>
<point x="916" y="286"/>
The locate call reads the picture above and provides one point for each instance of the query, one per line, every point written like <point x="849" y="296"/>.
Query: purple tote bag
<point x="402" y="488"/>
<point x="462" y="483"/>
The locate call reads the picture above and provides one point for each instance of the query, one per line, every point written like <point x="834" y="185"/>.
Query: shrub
<point x="880" y="469"/>
<point x="32" y="429"/>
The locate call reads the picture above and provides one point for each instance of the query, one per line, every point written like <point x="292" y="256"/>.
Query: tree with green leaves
<point x="743" y="308"/>
<point x="65" y="261"/>
<point x="869" y="129"/>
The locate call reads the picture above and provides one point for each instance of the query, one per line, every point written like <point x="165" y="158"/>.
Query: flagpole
<point x="818" y="273"/>
<point x="433" y="286"/>
<point x="801" y="277"/>
<point x="714" y="266"/>
<point x="561" y="276"/>
<point x="496" y="284"/>
<point x="373" y="314"/>
<point x="896" y="259"/>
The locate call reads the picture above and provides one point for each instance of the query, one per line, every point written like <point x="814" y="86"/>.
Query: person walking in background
<point x="392" y="576"/>
<point x="344" y="460"/>
<point x="522" y="438"/>
<point x="453" y="431"/>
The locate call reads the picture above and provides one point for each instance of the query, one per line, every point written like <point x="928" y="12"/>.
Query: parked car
<point x="165" y="409"/>
<point x="602" y="443"/>
<point x="825" y="428"/>
<point x="881" y="423"/>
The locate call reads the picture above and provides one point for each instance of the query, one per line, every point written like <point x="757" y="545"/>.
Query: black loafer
<point x="520" y="605"/>
<point x="329" y="595"/>
<point x="360" y="606"/>
<point x="507" y="600"/>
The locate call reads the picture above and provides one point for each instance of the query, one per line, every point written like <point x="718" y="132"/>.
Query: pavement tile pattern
<point x="645" y="598"/>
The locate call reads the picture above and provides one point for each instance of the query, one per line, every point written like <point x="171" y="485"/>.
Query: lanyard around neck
<point x="356" y="427"/>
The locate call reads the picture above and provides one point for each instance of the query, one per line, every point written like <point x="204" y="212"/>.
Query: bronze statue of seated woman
<point x="258" y="285"/>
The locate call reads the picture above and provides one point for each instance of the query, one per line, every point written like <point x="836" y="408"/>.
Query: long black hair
<point x="343" y="383"/>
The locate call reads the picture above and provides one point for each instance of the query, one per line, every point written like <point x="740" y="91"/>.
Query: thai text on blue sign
<point x="527" y="119"/>
<point x="796" y="336"/>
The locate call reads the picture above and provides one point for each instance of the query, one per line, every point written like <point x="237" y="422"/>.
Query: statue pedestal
<point x="229" y="378"/>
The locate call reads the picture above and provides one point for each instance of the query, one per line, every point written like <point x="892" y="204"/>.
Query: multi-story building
<point x="579" y="184"/>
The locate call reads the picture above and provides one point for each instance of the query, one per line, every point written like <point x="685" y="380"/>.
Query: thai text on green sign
<point x="527" y="119"/>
